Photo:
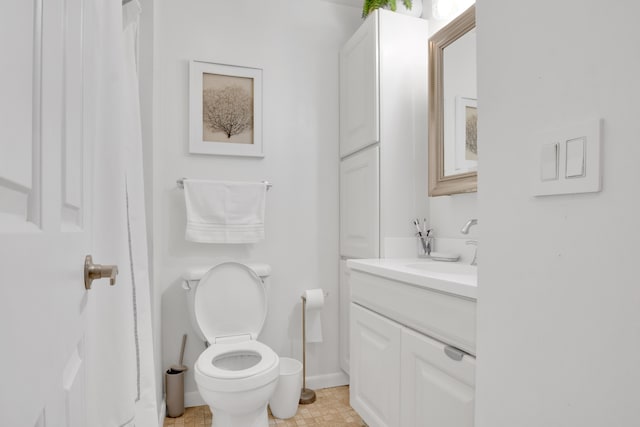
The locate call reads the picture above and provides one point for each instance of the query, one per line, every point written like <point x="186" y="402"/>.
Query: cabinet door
<point x="359" y="205"/>
<point x="375" y="368"/>
<point x="345" y="302"/>
<point x="359" y="109"/>
<point x="437" y="391"/>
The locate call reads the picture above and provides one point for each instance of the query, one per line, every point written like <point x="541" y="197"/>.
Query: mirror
<point x="453" y="111"/>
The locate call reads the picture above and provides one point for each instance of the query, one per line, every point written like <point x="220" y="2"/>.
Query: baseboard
<point x="193" y="398"/>
<point x="163" y="413"/>
<point x="335" y="379"/>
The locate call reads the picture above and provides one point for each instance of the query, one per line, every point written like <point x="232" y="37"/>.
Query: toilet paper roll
<point x="313" y="308"/>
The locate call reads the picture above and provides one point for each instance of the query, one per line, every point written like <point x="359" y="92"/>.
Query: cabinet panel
<point x="359" y="108"/>
<point x="359" y="205"/>
<point x="345" y="301"/>
<point x="437" y="391"/>
<point x="375" y="368"/>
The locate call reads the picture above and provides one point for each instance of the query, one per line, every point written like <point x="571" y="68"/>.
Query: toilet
<point x="236" y="374"/>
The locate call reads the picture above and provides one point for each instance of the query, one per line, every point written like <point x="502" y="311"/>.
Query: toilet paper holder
<point x="306" y="394"/>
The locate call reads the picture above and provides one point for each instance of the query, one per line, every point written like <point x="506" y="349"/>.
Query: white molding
<point x="163" y="413"/>
<point x="336" y="379"/>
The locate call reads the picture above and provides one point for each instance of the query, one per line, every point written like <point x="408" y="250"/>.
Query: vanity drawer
<point x="446" y="317"/>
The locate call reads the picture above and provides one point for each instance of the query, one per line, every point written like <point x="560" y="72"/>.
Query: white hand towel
<point x="224" y="212"/>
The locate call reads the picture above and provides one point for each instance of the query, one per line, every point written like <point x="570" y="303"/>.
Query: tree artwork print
<point x="227" y="109"/>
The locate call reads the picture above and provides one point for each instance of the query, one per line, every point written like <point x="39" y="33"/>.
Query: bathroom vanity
<point x="412" y="333"/>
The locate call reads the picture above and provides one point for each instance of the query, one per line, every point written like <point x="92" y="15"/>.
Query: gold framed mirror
<point x="453" y="147"/>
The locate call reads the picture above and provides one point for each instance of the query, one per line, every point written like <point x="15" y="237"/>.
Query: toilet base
<point x="242" y="401"/>
<point x="256" y="418"/>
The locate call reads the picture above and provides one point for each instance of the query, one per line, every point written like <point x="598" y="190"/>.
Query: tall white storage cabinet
<point x="383" y="117"/>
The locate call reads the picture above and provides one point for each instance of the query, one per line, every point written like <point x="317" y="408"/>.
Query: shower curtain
<point x="121" y="386"/>
<point x="146" y="409"/>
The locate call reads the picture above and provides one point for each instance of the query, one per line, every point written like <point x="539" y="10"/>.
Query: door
<point x="360" y="204"/>
<point x="359" y="91"/>
<point x="437" y="390"/>
<point x="45" y="212"/>
<point x="375" y="368"/>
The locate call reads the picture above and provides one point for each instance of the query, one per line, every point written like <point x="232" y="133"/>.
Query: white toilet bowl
<point x="236" y="375"/>
<point x="237" y="380"/>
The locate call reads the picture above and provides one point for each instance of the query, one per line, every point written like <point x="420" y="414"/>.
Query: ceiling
<point x="359" y="3"/>
<point x="352" y="3"/>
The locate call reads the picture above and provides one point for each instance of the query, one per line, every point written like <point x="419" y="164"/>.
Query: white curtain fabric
<point x="146" y="408"/>
<point x="120" y="373"/>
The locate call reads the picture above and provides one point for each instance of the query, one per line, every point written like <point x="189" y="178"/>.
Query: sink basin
<point x="444" y="267"/>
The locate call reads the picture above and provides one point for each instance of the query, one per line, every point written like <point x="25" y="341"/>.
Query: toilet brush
<point x="306" y="394"/>
<point x="180" y="367"/>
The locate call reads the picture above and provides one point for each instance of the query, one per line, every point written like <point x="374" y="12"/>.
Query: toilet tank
<point x="190" y="279"/>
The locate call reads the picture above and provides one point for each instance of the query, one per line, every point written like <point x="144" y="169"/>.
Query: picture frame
<point x="466" y="134"/>
<point x="225" y="110"/>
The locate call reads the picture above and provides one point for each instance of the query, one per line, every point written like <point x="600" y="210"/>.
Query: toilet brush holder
<point x="174" y="387"/>
<point x="306" y="394"/>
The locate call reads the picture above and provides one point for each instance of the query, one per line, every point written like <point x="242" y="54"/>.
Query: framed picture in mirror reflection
<point x="466" y="135"/>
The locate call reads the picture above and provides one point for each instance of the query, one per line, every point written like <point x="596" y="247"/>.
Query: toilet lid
<point x="230" y="303"/>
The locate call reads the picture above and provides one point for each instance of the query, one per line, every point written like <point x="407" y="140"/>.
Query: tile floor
<point x="331" y="409"/>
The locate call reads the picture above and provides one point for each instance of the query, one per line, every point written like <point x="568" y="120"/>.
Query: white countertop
<point x="450" y="277"/>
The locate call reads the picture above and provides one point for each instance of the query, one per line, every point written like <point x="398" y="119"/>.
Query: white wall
<point x="296" y="44"/>
<point x="559" y="295"/>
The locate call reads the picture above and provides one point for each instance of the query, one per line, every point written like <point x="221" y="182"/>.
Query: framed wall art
<point x="225" y="110"/>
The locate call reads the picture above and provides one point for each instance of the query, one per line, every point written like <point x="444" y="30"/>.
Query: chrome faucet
<point x="474" y="261"/>
<point x="467" y="226"/>
<point x="465" y="230"/>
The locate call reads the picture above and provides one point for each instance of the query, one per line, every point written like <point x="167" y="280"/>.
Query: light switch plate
<point x="579" y="163"/>
<point x="549" y="162"/>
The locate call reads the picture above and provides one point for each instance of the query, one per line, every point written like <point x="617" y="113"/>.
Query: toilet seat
<point x="214" y="377"/>
<point x="206" y="360"/>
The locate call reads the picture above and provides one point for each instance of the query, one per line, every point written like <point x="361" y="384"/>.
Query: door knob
<point x="97" y="271"/>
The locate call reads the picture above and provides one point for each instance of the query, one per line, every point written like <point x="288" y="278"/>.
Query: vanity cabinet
<point x="401" y="375"/>
<point x="375" y="367"/>
<point x="436" y="390"/>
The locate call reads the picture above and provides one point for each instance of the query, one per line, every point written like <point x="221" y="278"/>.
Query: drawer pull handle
<point x="454" y="353"/>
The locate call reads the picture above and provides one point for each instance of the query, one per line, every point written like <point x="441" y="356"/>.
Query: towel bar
<point x="180" y="183"/>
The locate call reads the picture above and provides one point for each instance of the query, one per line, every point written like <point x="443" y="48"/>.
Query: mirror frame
<point x="439" y="184"/>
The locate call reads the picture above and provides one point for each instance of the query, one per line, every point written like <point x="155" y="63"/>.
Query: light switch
<point x="566" y="159"/>
<point x="549" y="162"/>
<point x="575" y="158"/>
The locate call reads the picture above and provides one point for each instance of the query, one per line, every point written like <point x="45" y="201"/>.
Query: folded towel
<point x="224" y="212"/>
